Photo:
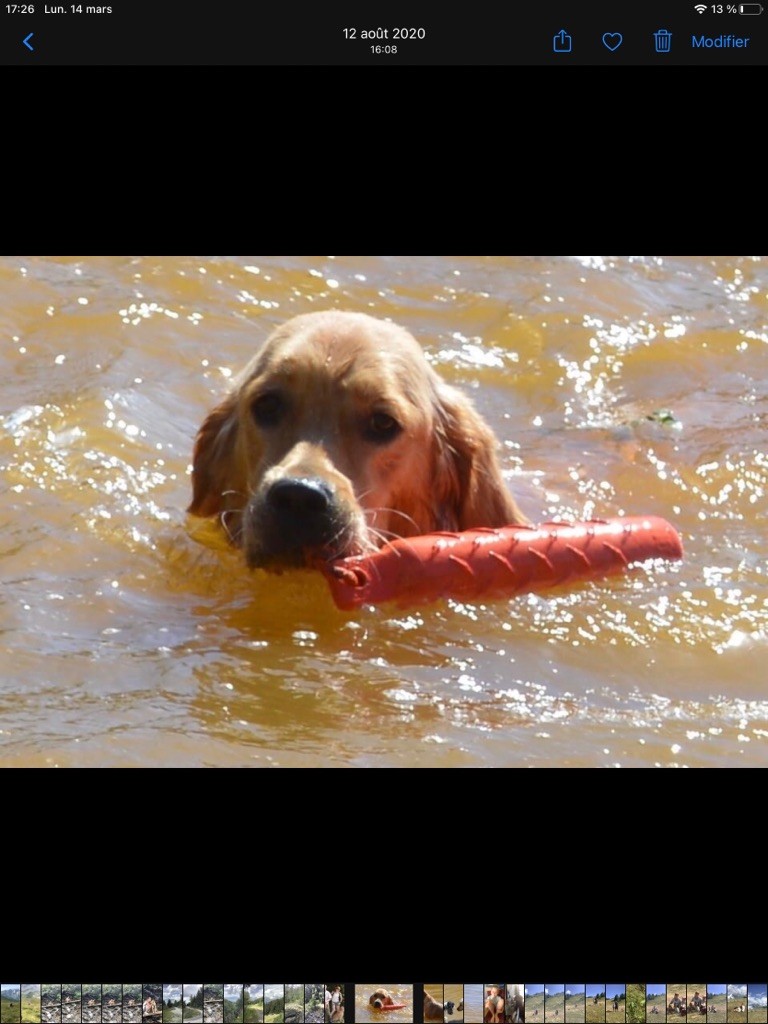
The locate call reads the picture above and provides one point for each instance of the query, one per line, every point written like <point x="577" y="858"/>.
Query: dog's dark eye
<point x="381" y="428"/>
<point x="268" y="409"/>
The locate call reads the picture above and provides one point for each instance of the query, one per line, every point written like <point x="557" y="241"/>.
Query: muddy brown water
<point x="126" y="642"/>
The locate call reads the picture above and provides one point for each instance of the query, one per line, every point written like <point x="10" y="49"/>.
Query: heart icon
<point x="612" y="40"/>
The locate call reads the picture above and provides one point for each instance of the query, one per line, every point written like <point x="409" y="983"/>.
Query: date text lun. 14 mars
<point x="53" y="9"/>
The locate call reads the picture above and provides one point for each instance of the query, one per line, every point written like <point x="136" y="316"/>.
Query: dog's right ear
<point x="468" y="487"/>
<point x="214" y="458"/>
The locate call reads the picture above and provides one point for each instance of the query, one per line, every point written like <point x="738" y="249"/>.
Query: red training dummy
<point x="502" y="562"/>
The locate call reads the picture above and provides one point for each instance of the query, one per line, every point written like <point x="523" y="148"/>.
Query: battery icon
<point x="750" y="9"/>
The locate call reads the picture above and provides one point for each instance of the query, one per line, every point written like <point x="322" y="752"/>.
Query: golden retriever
<point x="435" y="1010"/>
<point x="380" y="999"/>
<point x="338" y="436"/>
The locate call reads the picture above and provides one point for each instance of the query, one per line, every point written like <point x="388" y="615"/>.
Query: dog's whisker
<point x="387" y="541"/>
<point x="233" y="536"/>
<point x="384" y="535"/>
<point x="387" y="536"/>
<point x="394" y="512"/>
<point x="340" y="544"/>
<point x="381" y="536"/>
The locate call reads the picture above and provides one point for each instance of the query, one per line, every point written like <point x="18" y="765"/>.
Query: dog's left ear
<point x="470" y="490"/>
<point x="213" y="460"/>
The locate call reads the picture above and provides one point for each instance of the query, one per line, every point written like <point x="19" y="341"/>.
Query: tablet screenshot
<point x="660" y="33"/>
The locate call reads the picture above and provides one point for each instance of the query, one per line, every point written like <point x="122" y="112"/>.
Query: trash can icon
<point x="663" y="40"/>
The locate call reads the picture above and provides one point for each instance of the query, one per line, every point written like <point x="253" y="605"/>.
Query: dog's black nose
<point x="292" y="515"/>
<point x="294" y="520"/>
<point x="297" y="496"/>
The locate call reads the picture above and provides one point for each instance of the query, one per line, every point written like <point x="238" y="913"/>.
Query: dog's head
<point x="339" y="436"/>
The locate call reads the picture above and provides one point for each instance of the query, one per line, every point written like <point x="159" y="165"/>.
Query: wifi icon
<point x="700" y="8"/>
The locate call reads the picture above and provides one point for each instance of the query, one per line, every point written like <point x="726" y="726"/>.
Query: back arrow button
<point x="27" y="43"/>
